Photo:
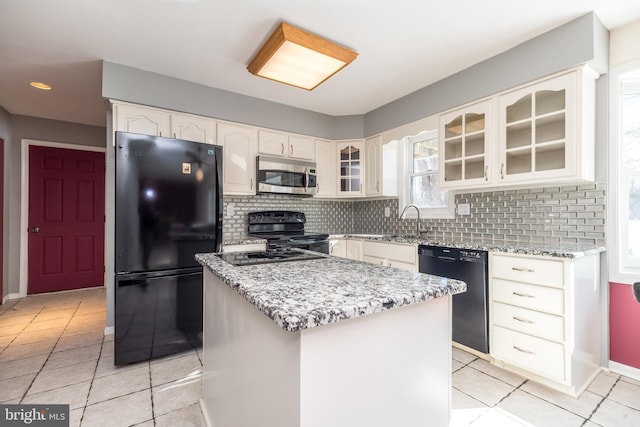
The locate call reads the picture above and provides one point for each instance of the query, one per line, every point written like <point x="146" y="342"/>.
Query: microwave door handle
<point x="306" y="179"/>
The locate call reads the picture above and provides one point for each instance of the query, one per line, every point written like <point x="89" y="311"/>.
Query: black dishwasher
<point x="470" y="309"/>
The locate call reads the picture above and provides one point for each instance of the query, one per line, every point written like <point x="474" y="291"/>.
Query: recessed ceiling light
<point x="40" y="85"/>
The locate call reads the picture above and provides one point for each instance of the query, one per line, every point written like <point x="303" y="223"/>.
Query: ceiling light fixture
<point x="40" y="85"/>
<point x="298" y="58"/>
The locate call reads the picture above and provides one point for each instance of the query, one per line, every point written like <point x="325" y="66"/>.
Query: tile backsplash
<point x="571" y="214"/>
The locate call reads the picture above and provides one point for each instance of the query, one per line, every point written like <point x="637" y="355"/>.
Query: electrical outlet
<point x="387" y="212"/>
<point x="464" y="209"/>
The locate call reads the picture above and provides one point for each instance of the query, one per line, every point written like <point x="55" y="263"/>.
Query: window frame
<point x="617" y="202"/>
<point x="406" y="145"/>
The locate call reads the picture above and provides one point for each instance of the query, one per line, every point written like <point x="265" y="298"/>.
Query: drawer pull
<point x="526" y="270"/>
<point x="521" y="350"/>
<point x="518" y="294"/>
<point x="523" y="320"/>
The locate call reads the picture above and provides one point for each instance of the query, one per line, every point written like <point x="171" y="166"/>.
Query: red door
<point x="66" y="219"/>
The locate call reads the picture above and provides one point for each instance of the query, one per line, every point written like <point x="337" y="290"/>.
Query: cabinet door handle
<point x="486" y="173"/>
<point x="523" y="269"/>
<point x="291" y="150"/>
<point x="378" y="186"/>
<point x="523" y="320"/>
<point x="251" y="184"/>
<point x="522" y="350"/>
<point x="518" y="294"/>
<point x="502" y="170"/>
<point x="361" y="188"/>
<point x="282" y="148"/>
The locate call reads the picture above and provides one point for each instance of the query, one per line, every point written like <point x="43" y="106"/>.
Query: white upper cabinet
<point x="350" y="157"/>
<point x="239" y="164"/>
<point x="465" y="150"/>
<point x="147" y="121"/>
<point x="193" y="128"/>
<point x="157" y="122"/>
<point x="546" y="130"/>
<point x="301" y="147"/>
<point x="373" y="151"/>
<point x="283" y="145"/>
<point x="325" y="168"/>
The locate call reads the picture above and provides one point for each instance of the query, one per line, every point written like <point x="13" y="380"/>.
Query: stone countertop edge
<point x="504" y="246"/>
<point x="244" y="242"/>
<point x="301" y="295"/>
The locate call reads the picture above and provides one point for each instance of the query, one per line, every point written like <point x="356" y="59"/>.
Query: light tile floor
<point x="52" y="350"/>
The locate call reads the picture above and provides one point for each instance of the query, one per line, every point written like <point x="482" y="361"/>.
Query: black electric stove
<point x="285" y="229"/>
<point x="269" y="256"/>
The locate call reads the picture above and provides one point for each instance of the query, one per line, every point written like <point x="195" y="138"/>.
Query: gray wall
<point x="583" y="40"/>
<point x="5" y="134"/>
<point x="143" y="87"/>
<point x="24" y="127"/>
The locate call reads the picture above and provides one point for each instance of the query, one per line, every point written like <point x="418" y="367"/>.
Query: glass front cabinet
<point x="350" y="167"/>
<point x="547" y="131"/>
<point x="465" y="150"/>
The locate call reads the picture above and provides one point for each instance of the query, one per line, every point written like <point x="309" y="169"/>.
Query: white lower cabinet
<point x="395" y="255"/>
<point x="545" y="318"/>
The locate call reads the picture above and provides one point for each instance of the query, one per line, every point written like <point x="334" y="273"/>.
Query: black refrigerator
<point x="168" y="207"/>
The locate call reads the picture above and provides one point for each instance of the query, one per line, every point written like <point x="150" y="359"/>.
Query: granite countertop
<point x="248" y="241"/>
<point x="304" y="294"/>
<point x="505" y="246"/>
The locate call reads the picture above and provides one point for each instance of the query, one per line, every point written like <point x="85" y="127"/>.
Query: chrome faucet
<point x="418" y="229"/>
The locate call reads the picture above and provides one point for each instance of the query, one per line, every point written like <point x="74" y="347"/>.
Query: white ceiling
<point x="403" y="45"/>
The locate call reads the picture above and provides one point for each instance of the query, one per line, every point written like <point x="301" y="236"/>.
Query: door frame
<point x="24" y="201"/>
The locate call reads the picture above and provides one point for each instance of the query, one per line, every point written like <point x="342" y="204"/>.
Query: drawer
<point x="402" y="265"/>
<point x="537" y="355"/>
<point x="391" y="251"/>
<point x="528" y="270"/>
<point x="548" y="300"/>
<point x="531" y="322"/>
<point x="374" y="260"/>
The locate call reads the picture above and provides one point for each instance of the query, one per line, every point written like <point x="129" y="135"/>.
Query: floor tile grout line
<point x="607" y="398"/>
<point x="48" y="356"/>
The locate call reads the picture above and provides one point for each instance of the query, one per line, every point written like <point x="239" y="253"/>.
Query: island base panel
<point x="389" y="368"/>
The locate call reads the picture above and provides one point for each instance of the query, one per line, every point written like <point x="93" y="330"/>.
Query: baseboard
<point x="12" y="296"/>
<point x="205" y="414"/>
<point x="109" y="330"/>
<point x="626" y="370"/>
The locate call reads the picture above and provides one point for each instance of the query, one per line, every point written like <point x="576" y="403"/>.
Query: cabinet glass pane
<point x="473" y="122"/>
<point x="425" y="155"/>
<point x="355" y="184"/>
<point x="453" y="128"/>
<point x="474" y="144"/>
<point x="344" y="184"/>
<point x="519" y="135"/>
<point x="518" y="162"/>
<point x="355" y="168"/>
<point x="344" y="153"/>
<point x="452" y="149"/>
<point x="453" y="171"/>
<point x="548" y="101"/>
<point x="550" y="157"/>
<point x="474" y="169"/>
<point x="344" y="168"/>
<point x="550" y="128"/>
<point x="520" y="110"/>
<point x="355" y="153"/>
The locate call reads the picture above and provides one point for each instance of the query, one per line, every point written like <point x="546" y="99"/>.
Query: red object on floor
<point x="624" y="325"/>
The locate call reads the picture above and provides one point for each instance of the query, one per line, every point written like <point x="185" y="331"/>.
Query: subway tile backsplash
<point x="571" y="214"/>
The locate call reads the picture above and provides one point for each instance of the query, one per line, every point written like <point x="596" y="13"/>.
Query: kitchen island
<point x="325" y="342"/>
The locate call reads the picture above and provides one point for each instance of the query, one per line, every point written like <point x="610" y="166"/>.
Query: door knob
<point x="35" y="230"/>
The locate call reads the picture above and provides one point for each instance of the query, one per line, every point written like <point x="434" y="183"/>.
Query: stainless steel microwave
<point x="285" y="176"/>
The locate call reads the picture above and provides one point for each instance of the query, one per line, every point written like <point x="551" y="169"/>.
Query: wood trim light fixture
<point x="297" y="58"/>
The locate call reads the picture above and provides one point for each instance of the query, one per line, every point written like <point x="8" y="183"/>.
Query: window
<point x="629" y="172"/>
<point x="421" y="177"/>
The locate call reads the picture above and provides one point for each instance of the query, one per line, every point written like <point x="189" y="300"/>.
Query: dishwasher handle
<point x="447" y="258"/>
